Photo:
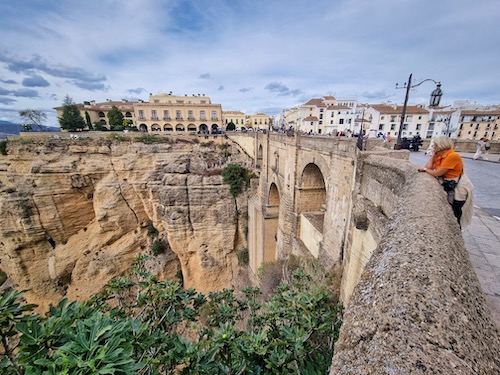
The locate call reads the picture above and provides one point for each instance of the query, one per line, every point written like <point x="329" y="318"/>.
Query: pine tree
<point x="71" y="118"/>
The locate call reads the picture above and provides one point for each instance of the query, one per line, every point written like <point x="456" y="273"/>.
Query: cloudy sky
<point x="248" y="55"/>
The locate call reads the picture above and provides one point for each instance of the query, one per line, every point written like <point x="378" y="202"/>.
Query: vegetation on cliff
<point x="142" y="325"/>
<point x="237" y="177"/>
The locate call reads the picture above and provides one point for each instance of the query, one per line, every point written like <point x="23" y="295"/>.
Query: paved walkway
<point x="482" y="240"/>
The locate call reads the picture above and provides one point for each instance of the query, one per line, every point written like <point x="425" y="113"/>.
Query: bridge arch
<point x="271" y="223"/>
<point x="311" y="207"/>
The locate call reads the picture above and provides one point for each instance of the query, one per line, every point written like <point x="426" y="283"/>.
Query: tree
<point x="71" y="118"/>
<point x="231" y="126"/>
<point x="115" y="116"/>
<point x="33" y="118"/>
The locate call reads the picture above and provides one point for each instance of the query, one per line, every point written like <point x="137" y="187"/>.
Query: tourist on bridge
<point x="448" y="167"/>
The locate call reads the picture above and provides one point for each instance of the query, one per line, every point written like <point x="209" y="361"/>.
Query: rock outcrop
<point x="75" y="213"/>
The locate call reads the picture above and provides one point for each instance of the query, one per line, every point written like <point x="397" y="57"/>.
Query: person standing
<point x="448" y="167"/>
<point x="479" y="149"/>
<point x="487" y="147"/>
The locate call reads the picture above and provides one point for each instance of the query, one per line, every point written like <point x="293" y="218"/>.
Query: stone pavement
<point x="482" y="240"/>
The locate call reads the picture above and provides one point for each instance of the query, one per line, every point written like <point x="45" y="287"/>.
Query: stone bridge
<point x="413" y="302"/>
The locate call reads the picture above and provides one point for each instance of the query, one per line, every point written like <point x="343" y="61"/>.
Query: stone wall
<point x="75" y="213"/>
<point x="418" y="307"/>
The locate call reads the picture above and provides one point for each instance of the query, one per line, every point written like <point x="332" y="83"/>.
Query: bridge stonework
<point x="413" y="301"/>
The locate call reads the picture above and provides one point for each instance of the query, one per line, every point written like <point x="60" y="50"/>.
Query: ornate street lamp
<point x="434" y="102"/>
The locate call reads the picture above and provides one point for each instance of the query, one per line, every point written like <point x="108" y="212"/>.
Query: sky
<point x="247" y="55"/>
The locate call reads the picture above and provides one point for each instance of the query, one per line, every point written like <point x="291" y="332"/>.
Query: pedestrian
<point x="479" y="149"/>
<point x="447" y="166"/>
<point x="389" y="138"/>
<point x="487" y="147"/>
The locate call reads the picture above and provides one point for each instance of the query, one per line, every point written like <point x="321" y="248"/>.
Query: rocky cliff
<point x="75" y="213"/>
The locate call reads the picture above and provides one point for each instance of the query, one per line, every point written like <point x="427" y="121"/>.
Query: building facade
<point x="169" y="113"/>
<point x="476" y="124"/>
<point x="162" y="113"/>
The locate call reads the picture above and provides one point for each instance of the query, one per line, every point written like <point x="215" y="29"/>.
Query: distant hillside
<point x="8" y="128"/>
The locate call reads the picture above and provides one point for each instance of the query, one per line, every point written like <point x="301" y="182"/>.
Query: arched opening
<point x="101" y="114"/>
<point x="191" y="128"/>
<point x="179" y="128"/>
<point x="103" y="122"/>
<point x="168" y="128"/>
<point x="311" y="207"/>
<point x="203" y="129"/>
<point x="128" y="114"/>
<point x="271" y="224"/>
<point x="143" y="128"/>
<point x="155" y="128"/>
<point x="214" y="129"/>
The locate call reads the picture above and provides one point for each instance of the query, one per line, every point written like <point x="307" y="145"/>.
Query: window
<point x="153" y="114"/>
<point x="214" y="115"/>
<point x="178" y="115"/>
<point x="381" y="117"/>
<point x="331" y="121"/>
<point x="312" y="123"/>
<point x="202" y="115"/>
<point x="341" y="121"/>
<point x="393" y="118"/>
<point x="419" y="126"/>
<point x="320" y="122"/>
<point x="101" y="114"/>
<point x="141" y="114"/>
<point x="321" y="110"/>
<point x="393" y="126"/>
<point x="321" y="116"/>
<point x="166" y="115"/>
<point x="405" y="126"/>
<point x="190" y="115"/>
<point x="409" y="118"/>
<point x="332" y="114"/>
<point x="461" y="126"/>
<point x="381" y="127"/>
<point x="420" y="117"/>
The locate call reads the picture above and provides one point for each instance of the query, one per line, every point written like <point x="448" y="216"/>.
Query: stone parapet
<point x="418" y="307"/>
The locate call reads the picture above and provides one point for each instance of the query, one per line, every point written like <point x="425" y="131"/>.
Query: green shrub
<point x="158" y="248"/>
<point x="236" y="177"/>
<point x="243" y="257"/>
<point x="152" y="231"/>
<point x="3" y="147"/>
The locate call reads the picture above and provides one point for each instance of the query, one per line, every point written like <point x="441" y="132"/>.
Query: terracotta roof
<point x="329" y="97"/>
<point x="122" y="106"/>
<point x="316" y="102"/>
<point x="311" y="118"/>
<point x="411" y="109"/>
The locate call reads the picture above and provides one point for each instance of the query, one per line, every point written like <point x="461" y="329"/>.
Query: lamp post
<point x="434" y="102"/>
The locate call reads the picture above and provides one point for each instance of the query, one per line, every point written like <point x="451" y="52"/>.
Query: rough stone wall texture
<point x="418" y="307"/>
<point x="75" y="214"/>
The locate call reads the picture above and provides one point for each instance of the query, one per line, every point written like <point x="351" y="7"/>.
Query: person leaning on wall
<point x="448" y="167"/>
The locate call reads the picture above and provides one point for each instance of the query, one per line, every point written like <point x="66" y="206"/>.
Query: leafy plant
<point x="140" y="324"/>
<point x="236" y="177"/>
<point x="158" y="247"/>
<point x="3" y="147"/>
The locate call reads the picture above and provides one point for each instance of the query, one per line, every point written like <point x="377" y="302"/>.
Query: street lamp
<point x="434" y="102"/>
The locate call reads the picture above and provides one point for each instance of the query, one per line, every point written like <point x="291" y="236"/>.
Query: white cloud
<point x="255" y="56"/>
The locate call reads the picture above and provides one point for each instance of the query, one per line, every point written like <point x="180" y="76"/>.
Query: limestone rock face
<point x="75" y="214"/>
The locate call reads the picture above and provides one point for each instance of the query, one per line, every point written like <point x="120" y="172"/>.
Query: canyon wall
<point x="75" y="213"/>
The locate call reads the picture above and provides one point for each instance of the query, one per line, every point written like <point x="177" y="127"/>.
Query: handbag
<point x="450" y="185"/>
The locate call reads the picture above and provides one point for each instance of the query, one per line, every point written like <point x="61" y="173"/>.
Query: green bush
<point x="236" y="177"/>
<point x="152" y="231"/>
<point x="158" y="248"/>
<point x="140" y="324"/>
<point x="3" y="147"/>
<point x="243" y="257"/>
